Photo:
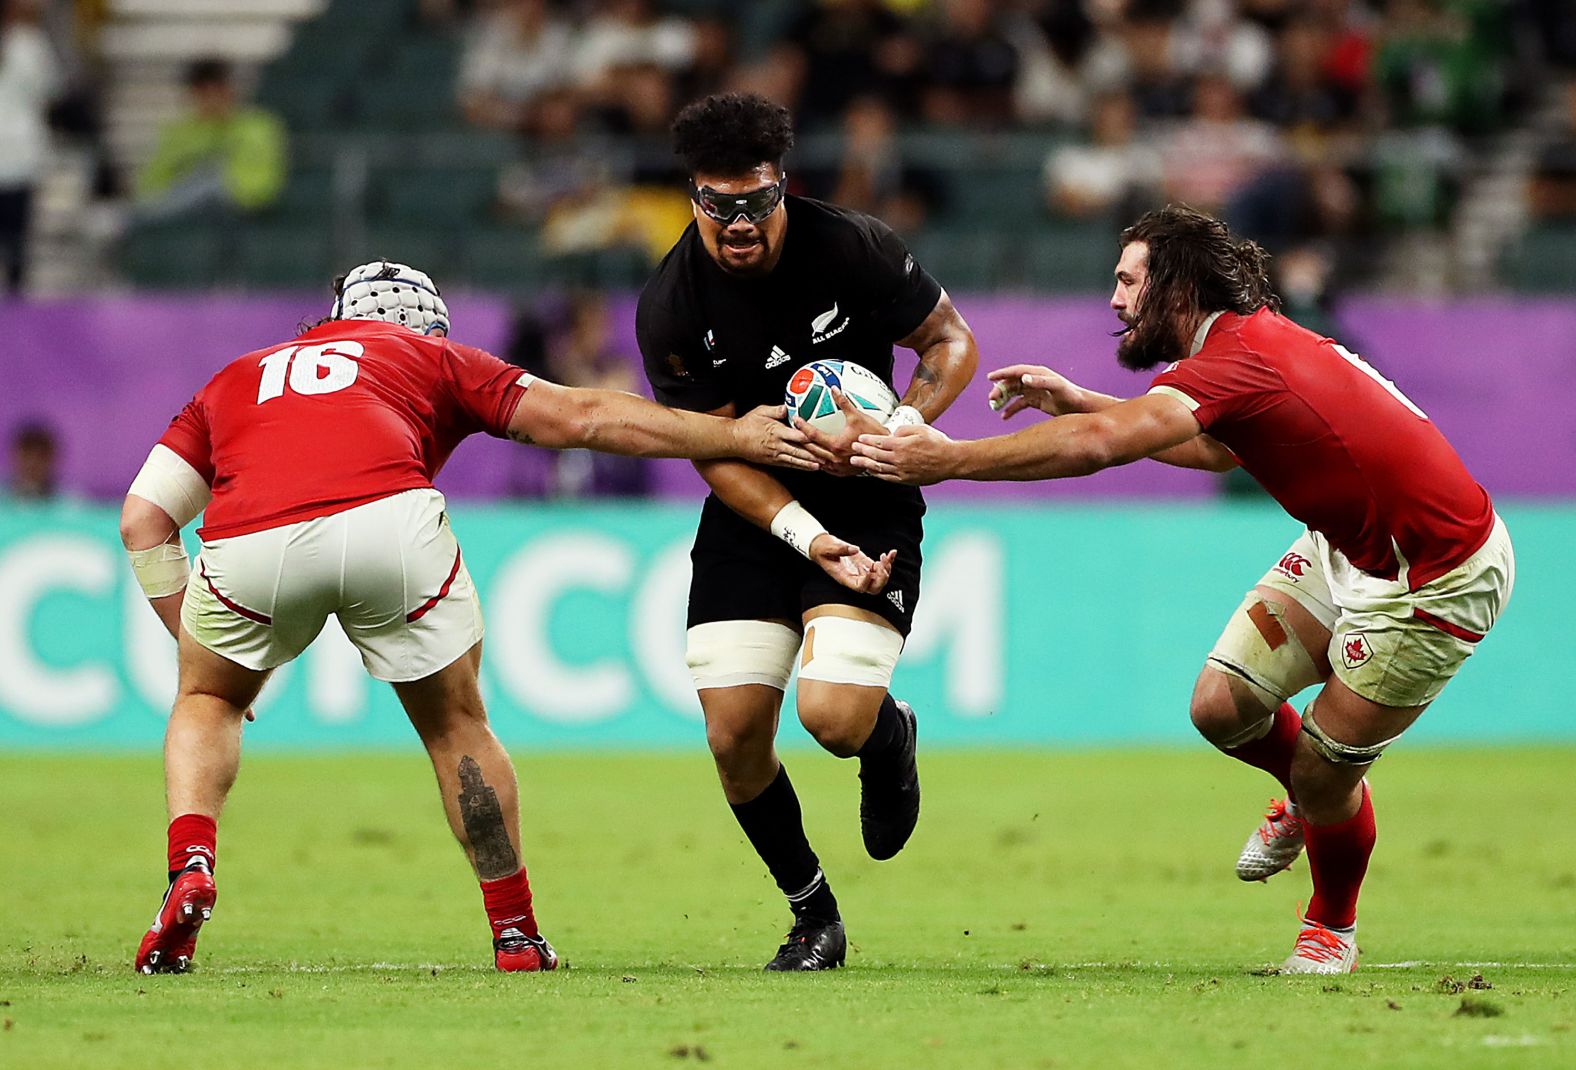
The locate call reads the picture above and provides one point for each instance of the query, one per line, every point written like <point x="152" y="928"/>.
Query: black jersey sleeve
<point x="902" y="293"/>
<point x="676" y="365"/>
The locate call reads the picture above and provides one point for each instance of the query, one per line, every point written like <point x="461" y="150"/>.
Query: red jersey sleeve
<point x="187" y="435"/>
<point x="484" y="390"/>
<point x="1218" y="386"/>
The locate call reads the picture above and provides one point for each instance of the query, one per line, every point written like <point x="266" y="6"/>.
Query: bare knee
<point x="837" y="726"/>
<point x="1224" y="713"/>
<point x="737" y="742"/>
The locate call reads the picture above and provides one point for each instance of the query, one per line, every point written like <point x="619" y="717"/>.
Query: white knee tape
<point x="729" y="653"/>
<point x="1260" y="648"/>
<point x="838" y="650"/>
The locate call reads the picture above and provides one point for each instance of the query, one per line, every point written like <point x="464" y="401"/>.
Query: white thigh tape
<point x="838" y="650"/>
<point x="1259" y="647"/>
<point x="728" y="653"/>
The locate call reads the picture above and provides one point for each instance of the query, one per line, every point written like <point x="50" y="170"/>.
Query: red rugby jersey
<point x="349" y="412"/>
<point x="1336" y="444"/>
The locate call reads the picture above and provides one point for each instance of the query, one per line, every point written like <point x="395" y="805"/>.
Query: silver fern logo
<point x="821" y="327"/>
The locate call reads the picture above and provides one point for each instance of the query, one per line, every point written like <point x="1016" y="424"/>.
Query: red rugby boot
<point x="514" y="952"/>
<point x="169" y="945"/>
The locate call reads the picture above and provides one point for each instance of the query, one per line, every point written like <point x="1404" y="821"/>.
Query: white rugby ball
<point x="809" y="393"/>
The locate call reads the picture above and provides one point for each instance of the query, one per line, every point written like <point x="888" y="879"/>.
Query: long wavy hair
<point x="1195" y="268"/>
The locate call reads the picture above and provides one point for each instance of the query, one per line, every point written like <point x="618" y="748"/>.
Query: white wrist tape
<point x="160" y="570"/>
<point x="172" y="484"/>
<point x="904" y="416"/>
<point x="794" y="525"/>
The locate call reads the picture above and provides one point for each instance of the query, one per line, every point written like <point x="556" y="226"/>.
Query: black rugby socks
<point x="775" y="827"/>
<point x="887" y="734"/>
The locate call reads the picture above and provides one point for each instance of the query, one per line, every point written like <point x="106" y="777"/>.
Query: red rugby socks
<point x="1272" y="752"/>
<point x="192" y="839"/>
<point x="1338" y="856"/>
<point x="508" y="903"/>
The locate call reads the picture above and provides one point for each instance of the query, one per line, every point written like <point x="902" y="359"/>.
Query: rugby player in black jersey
<point x="821" y="566"/>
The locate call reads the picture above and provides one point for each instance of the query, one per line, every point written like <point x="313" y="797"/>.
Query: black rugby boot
<point x="889" y="792"/>
<point x="812" y="944"/>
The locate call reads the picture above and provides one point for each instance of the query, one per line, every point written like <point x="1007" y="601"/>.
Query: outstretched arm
<point x="562" y="417"/>
<point x="1073" y="445"/>
<point x="1032" y="386"/>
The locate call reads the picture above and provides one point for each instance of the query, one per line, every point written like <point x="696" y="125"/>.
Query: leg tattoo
<point x="484" y="825"/>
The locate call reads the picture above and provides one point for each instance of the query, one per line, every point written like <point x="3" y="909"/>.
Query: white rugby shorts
<point x="1390" y="645"/>
<point x="390" y="571"/>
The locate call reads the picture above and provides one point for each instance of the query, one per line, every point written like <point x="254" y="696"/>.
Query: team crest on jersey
<point x="1355" y="649"/>
<point x="821" y="327"/>
<point x="777" y="357"/>
<point x="1293" y="566"/>
<point x="709" y="340"/>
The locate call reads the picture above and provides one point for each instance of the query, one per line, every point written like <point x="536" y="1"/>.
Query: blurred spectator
<point x="518" y="60"/>
<point x="627" y="34"/>
<point x="1159" y="89"/>
<point x="221" y="158"/>
<point x="1064" y="59"/>
<point x="1218" y="151"/>
<point x="1115" y="173"/>
<point x="1433" y="69"/>
<point x="571" y="344"/>
<point x="842" y="49"/>
<point x="33" y="475"/>
<point x="29" y="77"/>
<point x="872" y="176"/>
<point x="1553" y="191"/>
<point x="971" y="66"/>
<point x="1211" y="37"/>
<point x="1299" y="96"/>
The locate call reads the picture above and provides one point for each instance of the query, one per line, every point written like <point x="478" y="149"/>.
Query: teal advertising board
<point x="1037" y="625"/>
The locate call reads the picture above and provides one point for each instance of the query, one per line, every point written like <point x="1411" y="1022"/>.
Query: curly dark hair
<point x="731" y="134"/>
<point x="1195" y="267"/>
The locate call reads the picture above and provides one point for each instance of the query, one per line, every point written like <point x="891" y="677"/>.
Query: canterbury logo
<point x="1293" y="565"/>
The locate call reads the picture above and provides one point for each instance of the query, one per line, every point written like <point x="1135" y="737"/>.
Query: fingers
<point x="1014" y="407"/>
<point x="1016" y="371"/>
<point x="844" y="403"/>
<point x="772" y="412"/>
<point x="812" y="434"/>
<point x="796" y="459"/>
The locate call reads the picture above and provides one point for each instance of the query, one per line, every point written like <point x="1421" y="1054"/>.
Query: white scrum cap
<point x="394" y="293"/>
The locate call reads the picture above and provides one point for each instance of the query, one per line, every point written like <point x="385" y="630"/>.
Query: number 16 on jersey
<point x="314" y="369"/>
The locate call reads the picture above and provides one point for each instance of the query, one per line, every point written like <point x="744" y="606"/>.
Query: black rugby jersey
<point x="845" y="288"/>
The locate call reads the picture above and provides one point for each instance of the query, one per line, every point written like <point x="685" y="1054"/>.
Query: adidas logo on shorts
<point x="896" y="598"/>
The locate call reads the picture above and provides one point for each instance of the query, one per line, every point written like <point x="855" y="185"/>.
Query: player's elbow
<point x="143" y="524"/>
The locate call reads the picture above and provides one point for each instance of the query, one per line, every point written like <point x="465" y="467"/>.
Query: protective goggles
<point x="754" y="206"/>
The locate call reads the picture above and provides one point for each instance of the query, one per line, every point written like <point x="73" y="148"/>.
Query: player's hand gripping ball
<point x="809" y="394"/>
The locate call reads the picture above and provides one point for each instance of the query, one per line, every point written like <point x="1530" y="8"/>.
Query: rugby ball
<point x="809" y="394"/>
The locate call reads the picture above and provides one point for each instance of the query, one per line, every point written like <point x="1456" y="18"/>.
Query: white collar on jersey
<point x="1203" y="332"/>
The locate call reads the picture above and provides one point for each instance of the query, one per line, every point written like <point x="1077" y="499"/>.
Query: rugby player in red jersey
<point x="314" y="461"/>
<point x="1402" y="570"/>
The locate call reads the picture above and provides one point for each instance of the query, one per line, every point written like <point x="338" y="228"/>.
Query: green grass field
<point x="1053" y="910"/>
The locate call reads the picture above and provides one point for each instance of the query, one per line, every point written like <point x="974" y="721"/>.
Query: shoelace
<point x="1319" y="944"/>
<point x="1277" y="822"/>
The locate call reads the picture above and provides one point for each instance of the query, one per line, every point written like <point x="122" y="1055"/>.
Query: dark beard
<point x="1139" y="351"/>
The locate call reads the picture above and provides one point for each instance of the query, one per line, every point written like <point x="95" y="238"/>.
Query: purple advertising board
<point x="108" y="373"/>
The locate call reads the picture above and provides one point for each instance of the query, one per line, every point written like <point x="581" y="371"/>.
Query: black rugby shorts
<point x="742" y="572"/>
